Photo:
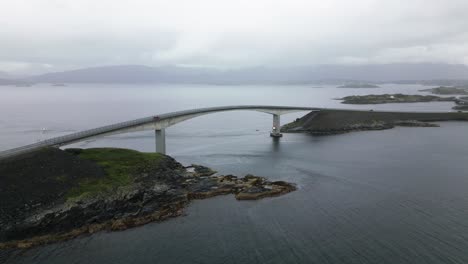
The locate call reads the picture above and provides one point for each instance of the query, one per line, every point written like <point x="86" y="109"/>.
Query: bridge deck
<point x="106" y="130"/>
<point x="125" y="126"/>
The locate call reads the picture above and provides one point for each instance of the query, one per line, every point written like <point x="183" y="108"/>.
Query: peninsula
<point x="329" y="122"/>
<point x="52" y="195"/>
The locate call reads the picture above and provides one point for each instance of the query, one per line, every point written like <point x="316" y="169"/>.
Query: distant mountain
<point x="334" y="74"/>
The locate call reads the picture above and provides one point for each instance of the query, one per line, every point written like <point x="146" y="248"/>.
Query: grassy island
<point x="120" y="167"/>
<point x="52" y="195"/>
<point x="328" y="122"/>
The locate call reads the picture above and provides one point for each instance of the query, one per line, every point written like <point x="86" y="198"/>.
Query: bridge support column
<point x="275" y="131"/>
<point x="160" y="140"/>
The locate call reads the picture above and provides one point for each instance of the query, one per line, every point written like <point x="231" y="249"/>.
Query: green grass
<point x="120" y="166"/>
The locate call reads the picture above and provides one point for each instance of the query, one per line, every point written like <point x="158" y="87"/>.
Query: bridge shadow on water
<point x="275" y="144"/>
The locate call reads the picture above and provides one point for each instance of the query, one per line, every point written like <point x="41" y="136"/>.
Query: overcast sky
<point x="52" y="35"/>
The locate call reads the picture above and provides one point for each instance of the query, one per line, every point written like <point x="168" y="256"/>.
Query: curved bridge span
<point x="158" y="123"/>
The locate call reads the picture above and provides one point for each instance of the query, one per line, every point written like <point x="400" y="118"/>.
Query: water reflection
<point x="275" y="143"/>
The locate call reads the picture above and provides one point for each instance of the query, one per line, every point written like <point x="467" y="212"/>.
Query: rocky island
<point x="443" y="90"/>
<point x="393" y="98"/>
<point x="329" y="122"/>
<point x="53" y="195"/>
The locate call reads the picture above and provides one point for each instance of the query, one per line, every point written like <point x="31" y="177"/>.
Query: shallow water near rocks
<point x="392" y="196"/>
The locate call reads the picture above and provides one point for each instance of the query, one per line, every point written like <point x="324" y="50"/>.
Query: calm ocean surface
<point x="393" y="196"/>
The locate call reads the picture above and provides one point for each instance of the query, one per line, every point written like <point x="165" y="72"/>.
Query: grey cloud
<point x="66" y="34"/>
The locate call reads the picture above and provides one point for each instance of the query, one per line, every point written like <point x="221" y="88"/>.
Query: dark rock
<point x="202" y="170"/>
<point x="160" y="188"/>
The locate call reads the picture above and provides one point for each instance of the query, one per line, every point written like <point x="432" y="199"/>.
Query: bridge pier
<point x="160" y="140"/>
<point x="275" y="132"/>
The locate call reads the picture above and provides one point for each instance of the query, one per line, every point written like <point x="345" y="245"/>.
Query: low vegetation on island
<point x="444" y="90"/>
<point x="393" y="98"/>
<point x="329" y="122"/>
<point x="53" y="195"/>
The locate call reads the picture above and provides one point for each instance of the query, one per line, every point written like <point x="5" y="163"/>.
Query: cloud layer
<point x="48" y="35"/>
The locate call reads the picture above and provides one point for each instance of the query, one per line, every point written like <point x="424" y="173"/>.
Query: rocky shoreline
<point x="331" y="122"/>
<point x="461" y="102"/>
<point x="157" y="188"/>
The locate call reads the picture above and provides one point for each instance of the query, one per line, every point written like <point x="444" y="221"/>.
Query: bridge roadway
<point x="157" y="123"/>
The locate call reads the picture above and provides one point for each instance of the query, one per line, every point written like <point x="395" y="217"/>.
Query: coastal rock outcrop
<point x="83" y="191"/>
<point x="329" y="122"/>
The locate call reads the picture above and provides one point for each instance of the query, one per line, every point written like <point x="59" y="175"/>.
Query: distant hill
<point x="334" y="74"/>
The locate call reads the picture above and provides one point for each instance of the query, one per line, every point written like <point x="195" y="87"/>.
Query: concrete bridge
<point x="158" y="123"/>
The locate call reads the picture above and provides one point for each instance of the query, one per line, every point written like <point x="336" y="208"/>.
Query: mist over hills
<point x="257" y="75"/>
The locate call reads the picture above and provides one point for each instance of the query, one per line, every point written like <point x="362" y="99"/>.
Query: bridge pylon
<point x="160" y="136"/>
<point x="275" y="131"/>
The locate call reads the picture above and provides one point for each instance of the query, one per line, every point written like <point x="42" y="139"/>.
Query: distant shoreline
<point x="393" y="98"/>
